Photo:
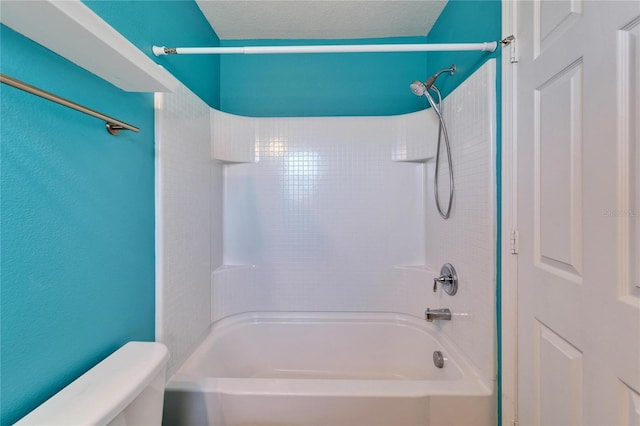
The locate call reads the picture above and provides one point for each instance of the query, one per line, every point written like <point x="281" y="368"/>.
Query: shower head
<point x="419" y="88"/>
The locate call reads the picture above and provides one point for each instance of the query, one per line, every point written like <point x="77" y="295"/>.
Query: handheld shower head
<point x="419" y="88"/>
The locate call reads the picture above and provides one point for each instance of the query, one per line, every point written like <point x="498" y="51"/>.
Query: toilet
<point x="126" y="388"/>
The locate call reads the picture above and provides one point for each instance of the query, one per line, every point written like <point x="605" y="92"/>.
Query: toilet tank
<point x="126" y="388"/>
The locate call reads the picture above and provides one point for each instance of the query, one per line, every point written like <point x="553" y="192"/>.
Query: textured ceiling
<point x="320" y="19"/>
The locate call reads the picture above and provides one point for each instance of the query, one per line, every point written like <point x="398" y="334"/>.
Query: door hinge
<point x="514" y="423"/>
<point x="513" y="48"/>
<point x="514" y="241"/>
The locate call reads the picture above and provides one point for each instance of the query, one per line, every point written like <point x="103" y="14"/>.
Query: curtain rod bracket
<point x="161" y="50"/>
<point x="507" y="40"/>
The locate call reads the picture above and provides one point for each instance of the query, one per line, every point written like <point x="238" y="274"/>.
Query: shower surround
<point x="321" y="216"/>
<point x="324" y="214"/>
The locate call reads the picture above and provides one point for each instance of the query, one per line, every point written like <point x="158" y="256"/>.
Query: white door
<point x="578" y="212"/>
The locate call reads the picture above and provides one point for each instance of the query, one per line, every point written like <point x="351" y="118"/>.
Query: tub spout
<point x="437" y="314"/>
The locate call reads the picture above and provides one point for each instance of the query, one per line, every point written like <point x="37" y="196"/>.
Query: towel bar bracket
<point x="114" y="129"/>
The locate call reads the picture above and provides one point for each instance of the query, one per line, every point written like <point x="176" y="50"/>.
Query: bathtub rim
<point x="471" y="383"/>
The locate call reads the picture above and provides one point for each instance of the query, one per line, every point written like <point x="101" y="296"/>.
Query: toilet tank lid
<point x="101" y="393"/>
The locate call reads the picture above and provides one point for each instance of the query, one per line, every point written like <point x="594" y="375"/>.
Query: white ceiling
<point x="320" y="19"/>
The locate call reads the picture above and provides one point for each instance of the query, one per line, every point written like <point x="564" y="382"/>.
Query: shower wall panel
<point x="188" y="221"/>
<point x="322" y="218"/>
<point x="468" y="238"/>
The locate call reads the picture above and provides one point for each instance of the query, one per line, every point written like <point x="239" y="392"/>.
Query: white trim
<point x="509" y="273"/>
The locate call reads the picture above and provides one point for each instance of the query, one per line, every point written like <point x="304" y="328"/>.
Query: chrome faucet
<point x="437" y="314"/>
<point x="448" y="279"/>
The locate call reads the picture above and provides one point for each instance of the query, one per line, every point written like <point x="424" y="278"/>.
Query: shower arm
<point x="489" y="46"/>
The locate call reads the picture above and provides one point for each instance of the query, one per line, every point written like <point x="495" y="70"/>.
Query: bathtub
<point x="329" y="369"/>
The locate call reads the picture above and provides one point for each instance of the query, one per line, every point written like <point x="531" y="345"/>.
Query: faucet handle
<point x="442" y="279"/>
<point x="448" y="278"/>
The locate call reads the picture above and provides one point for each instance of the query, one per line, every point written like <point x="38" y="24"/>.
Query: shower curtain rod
<point x="113" y="125"/>
<point x="345" y="48"/>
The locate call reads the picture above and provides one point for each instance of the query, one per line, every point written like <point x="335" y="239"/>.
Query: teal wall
<point x="77" y="204"/>
<point x="355" y="84"/>
<point x="168" y="23"/>
<point x="338" y="84"/>
<point x="77" y="225"/>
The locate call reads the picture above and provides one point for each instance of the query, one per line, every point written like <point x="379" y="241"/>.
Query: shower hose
<point x="442" y="129"/>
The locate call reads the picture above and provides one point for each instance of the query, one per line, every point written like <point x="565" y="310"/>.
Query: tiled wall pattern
<point x="323" y="214"/>
<point x="467" y="239"/>
<point x="187" y="183"/>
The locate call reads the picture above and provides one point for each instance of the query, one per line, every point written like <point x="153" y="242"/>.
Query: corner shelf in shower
<point x="232" y="138"/>
<point x="224" y="267"/>
<point x="415" y="137"/>
<point x="414" y="268"/>
<point x="224" y="274"/>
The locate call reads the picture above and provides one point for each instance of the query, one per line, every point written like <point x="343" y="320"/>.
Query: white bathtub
<point x="329" y="369"/>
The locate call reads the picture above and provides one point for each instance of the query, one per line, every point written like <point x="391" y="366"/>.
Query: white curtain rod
<point x="345" y="48"/>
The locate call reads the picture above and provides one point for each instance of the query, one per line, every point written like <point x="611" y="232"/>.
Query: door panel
<point x="578" y="189"/>
<point x="558" y="173"/>
<point x="628" y="211"/>
<point x="559" y="367"/>
<point x="629" y="413"/>
<point x="551" y="19"/>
